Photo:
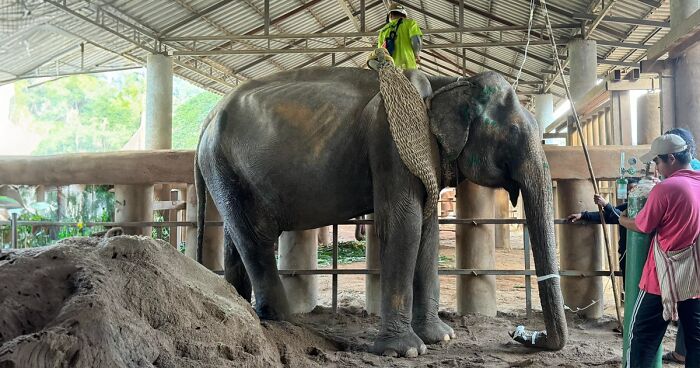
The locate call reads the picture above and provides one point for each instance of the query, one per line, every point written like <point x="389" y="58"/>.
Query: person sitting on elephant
<point x="401" y="36"/>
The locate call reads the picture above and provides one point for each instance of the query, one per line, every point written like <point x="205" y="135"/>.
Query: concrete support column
<point x="681" y="9"/>
<point x="648" y="117"/>
<point x="134" y="203"/>
<point x="609" y="138"/>
<point x="373" y="291"/>
<point x="502" y="211"/>
<point x="324" y="235"/>
<point x="213" y="246"/>
<point x="595" y="127"/>
<point x="589" y="132"/>
<point x="159" y="101"/>
<point x="191" y="216"/>
<point x="601" y="128"/>
<point x="544" y="110"/>
<point x="298" y="250"/>
<point x="580" y="249"/>
<point x="687" y="95"/>
<point x="622" y="117"/>
<point x="582" y="63"/>
<point x="475" y="249"/>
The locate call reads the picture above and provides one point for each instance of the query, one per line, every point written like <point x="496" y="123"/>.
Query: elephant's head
<point x="493" y="141"/>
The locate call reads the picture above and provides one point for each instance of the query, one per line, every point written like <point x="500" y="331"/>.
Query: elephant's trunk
<point x="536" y="187"/>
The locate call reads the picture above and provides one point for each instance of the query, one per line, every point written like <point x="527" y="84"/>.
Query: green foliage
<point x="84" y="113"/>
<point x="95" y="204"/>
<point x="348" y="252"/>
<point x="97" y="113"/>
<point x="445" y="261"/>
<point x="188" y="118"/>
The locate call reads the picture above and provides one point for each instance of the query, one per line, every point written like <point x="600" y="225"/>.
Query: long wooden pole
<point x="560" y="71"/>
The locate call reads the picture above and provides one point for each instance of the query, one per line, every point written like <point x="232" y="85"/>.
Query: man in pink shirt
<point x="673" y="212"/>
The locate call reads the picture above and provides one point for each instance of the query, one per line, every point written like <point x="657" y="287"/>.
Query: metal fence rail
<point x="14" y="223"/>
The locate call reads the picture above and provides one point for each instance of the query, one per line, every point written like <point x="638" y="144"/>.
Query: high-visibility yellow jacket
<point x="403" y="55"/>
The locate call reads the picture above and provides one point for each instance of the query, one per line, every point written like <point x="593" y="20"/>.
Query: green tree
<point x="188" y="118"/>
<point x="84" y="113"/>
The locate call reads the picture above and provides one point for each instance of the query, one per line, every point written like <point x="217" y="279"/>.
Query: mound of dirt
<point x="130" y="302"/>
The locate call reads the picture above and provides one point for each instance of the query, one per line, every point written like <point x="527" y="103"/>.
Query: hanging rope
<point x="527" y="44"/>
<point x="577" y="119"/>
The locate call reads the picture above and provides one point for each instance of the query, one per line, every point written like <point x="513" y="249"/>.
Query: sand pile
<point x="125" y="302"/>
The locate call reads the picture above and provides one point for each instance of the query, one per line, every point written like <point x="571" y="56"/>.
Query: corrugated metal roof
<point x="39" y="38"/>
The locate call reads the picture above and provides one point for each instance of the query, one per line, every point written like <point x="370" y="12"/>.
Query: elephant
<point x="307" y="148"/>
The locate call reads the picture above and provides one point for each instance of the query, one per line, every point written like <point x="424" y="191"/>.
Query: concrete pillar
<point x="213" y="247"/>
<point x="159" y="101"/>
<point x="687" y="94"/>
<point x="134" y="203"/>
<point x="502" y="211"/>
<point x="667" y="85"/>
<point x="589" y="132"/>
<point x="544" y="110"/>
<point x="298" y="250"/>
<point x="324" y="235"/>
<point x="580" y="249"/>
<point x="681" y="9"/>
<point x="475" y="249"/>
<point x="602" y="129"/>
<point x="648" y="117"/>
<point x="582" y="64"/>
<point x="609" y="138"/>
<point x="595" y="127"/>
<point x="191" y="216"/>
<point x="622" y="117"/>
<point x="373" y="290"/>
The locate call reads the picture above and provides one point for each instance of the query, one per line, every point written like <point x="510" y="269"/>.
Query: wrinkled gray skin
<point x="308" y="148"/>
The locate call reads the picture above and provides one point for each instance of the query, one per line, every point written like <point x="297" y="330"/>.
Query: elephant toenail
<point x="412" y="353"/>
<point x="446" y="337"/>
<point x="390" y="353"/>
<point x="423" y="349"/>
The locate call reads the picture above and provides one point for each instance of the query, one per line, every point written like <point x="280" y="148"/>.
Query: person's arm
<point x="416" y="41"/>
<point x="590" y="216"/>
<point x="416" y="44"/>
<point x="628" y="223"/>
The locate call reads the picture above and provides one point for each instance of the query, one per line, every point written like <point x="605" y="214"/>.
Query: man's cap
<point x="663" y="145"/>
<point x="397" y="8"/>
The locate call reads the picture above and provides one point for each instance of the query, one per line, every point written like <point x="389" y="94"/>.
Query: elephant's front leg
<point x="398" y="227"/>
<point x="426" y="288"/>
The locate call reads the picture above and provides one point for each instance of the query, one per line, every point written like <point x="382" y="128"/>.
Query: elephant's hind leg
<point x="256" y="251"/>
<point x="426" y="288"/>
<point x="258" y="256"/>
<point x="235" y="272"/>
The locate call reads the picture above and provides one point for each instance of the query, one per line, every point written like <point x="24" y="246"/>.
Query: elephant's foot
<point x="268" y="312"/>
<point x="434" y="331"/>
<point x="407" y="344"/>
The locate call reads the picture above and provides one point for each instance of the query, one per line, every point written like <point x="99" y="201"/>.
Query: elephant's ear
<point x="449" y="114"/>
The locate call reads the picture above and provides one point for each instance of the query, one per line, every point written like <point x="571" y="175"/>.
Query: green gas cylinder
<point x="637" y="251"/>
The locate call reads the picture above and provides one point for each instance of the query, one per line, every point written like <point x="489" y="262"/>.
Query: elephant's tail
<point x="201" y="189"/>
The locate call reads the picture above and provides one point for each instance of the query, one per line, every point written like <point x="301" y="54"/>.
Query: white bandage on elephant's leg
<point x="547" y="277"/>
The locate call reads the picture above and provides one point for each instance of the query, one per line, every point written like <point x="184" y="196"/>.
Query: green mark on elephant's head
<point x="545" y="166"/>
<point x="489" y="121"/>
<point x="487" y="92"/>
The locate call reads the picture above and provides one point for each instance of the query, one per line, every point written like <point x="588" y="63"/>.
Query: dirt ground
<point x="481" y="341"/>
<point x="157" y="308"/>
